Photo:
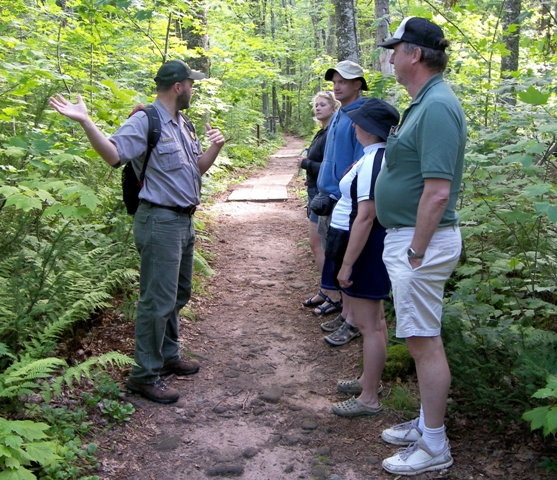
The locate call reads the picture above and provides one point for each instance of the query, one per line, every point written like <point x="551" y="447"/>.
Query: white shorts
<point x="418" y="293"/>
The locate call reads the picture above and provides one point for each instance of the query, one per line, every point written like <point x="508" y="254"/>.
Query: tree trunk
<point x="511" y="12"/>
<point x="381" y="63"/>
<point x="196" y="38"/>
<point x="316" y="14"/>
<point x="511" y="37"/>
<point x="347" y="38"/>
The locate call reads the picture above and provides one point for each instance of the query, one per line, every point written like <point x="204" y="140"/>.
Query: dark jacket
<point x="312" y="163"/>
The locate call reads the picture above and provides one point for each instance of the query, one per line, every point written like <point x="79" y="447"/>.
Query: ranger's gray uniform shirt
<point x="172" y="177"/>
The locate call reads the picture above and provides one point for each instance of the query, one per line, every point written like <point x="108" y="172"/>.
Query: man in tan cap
<point x="163" y="223"/>
<point x="342" y="149"/>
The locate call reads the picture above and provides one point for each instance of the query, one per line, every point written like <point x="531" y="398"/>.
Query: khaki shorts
<point x="418" y="293"/>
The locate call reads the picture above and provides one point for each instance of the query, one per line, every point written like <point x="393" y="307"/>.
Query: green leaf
<point x="5" y="451"/>
<point x="537" y="190"/>
<point x="552" y="383"/>
<point x="533" y="96"/>
<point x="68" y="211"/>
<point x="17" y="474"/>
<point x="41" y="146"/>
<point x="7" y="191"/>
<point x="89" y="200"/>
<point x="13" y="441"/>
<point x="12" y="462"/>
<point x="549" y="210"/>
<point x="536" y="417"/>
<point x="15" y="152"/>
<point x="23" y="202"/>
<point x="551" y="424"/>
<point x="552" y="213"/>
<point x="543" y="393"/>
<point x="526" y="160"/>
<point x="25" y="428"/>
<point x="42" y="452"/>
<point x="548" y="128"/>
<point x="11" y="112"/>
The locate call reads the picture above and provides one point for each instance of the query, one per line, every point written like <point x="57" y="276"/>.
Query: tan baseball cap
<point x="349" y="70"/>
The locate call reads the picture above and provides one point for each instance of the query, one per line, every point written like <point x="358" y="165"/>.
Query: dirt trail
<point x="259" y="409"/>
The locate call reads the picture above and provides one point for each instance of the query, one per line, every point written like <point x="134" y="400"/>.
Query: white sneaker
<point x="403" y="433"/>
<point x="418" y="458"/>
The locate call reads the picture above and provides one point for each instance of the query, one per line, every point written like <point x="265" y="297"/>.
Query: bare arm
<point x="78" y="112"/>
<point x="433" y="203"/>
<point x="209" y="156"/>
<point x="358" y="237"/>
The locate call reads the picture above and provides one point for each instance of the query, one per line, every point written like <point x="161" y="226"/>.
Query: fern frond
<point x="5" y="352"/>
<point x="112" y="358"/>
<point x="56" y="386"/>
<point x="24" y="370"/>
<point x="201" y="265"/>
<point x="116" y="358"/>
<point x="46" y="394"/>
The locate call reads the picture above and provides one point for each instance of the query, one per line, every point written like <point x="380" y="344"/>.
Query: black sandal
<point x="309" y="303"/>
<point x="331" y="307"/>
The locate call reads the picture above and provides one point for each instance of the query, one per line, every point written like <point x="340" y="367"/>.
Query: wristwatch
<point x="413" y="254"/>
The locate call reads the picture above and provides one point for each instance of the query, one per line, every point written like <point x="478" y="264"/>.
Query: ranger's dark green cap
<point x="176" y="71"/>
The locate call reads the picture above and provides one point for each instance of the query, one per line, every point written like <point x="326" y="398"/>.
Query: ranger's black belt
<point x="181" y="210"/>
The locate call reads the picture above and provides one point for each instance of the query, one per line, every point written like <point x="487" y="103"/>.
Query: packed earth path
<point x="260" y="407"/>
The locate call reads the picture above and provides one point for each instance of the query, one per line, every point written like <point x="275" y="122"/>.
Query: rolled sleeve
<point x="131" y="139"/>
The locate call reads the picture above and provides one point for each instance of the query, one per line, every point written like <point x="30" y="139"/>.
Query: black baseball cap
<point x="375" y="116"/>
<point x="419" y="31"/>
<point x="176" y="71"/>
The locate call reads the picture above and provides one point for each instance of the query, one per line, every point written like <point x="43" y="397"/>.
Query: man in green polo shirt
<point x="415" y="198"/>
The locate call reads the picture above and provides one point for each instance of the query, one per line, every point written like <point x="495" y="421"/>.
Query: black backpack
<point x="131" y="185"/>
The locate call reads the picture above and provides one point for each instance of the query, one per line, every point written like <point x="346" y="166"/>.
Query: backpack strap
<point x="153" y="134"/>
<point x="189" y="124"/>
<point x="378" y="160"/>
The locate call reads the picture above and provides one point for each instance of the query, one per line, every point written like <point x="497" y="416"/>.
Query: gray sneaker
<point x="333" y="325"/>
<point x="343" y="335"/>
<point x="418" y="458"/>
<point x="403" y="433"/>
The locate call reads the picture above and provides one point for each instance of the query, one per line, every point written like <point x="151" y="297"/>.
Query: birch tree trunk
<point x="381" y="63"/>
<point x="511" y="37"/>
<point x="511" y="12"/>
<point x="347" y="37"/>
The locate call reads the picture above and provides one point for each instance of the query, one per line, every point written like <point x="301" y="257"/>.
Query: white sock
<point x="434" y="438"/>
<point x="421" y="423"/>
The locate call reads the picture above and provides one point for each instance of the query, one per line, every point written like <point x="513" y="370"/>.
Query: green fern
<point x="201" y="266"/>
<point x="5" y="352"/>
<point x="21" y="377"/>
<point x="84" y="369"/>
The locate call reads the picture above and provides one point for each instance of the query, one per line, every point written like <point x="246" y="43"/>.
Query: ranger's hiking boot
<point x="156" y="392"/>
<point x="181" y="367"/>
